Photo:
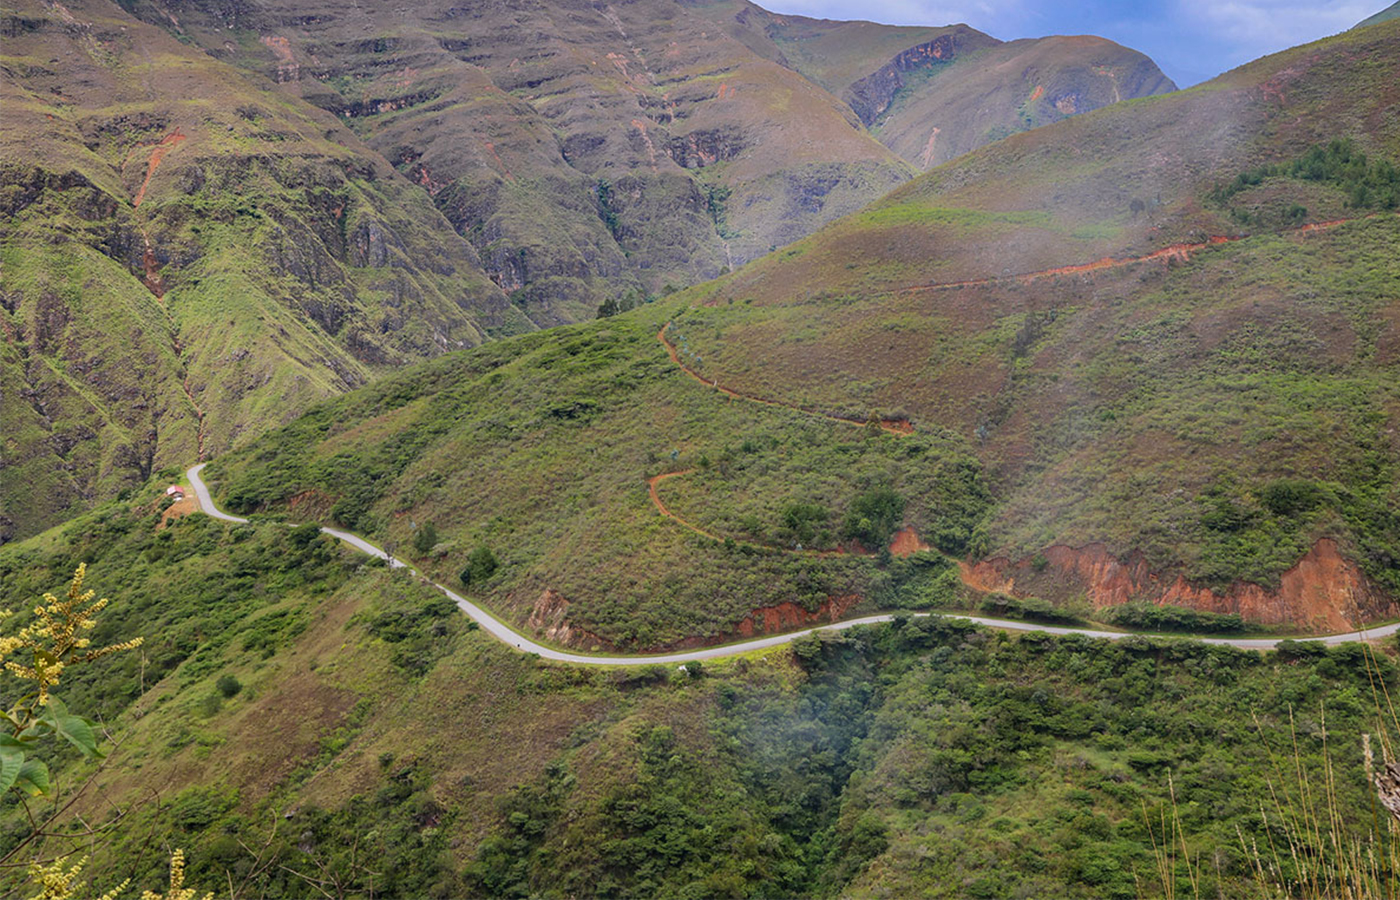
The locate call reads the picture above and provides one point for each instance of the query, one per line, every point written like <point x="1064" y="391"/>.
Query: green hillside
<point x="1390" y="12"/>
<point x="596" y="152"/>
<point x="1138" y="369"/>
<point x="189" y="259"/>
<point x="297" y="714"/>
<point x="1216" y="413"/>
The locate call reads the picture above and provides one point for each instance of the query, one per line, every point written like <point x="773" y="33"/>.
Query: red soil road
<point x="166" y="144"/>
<point x="1168" y="255"/>
<point x="653" y="481"/>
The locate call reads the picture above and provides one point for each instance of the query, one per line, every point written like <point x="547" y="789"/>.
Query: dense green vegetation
<point x="535" y="453"/>
<point x="927" y="758"/>
<point x="1367" y="183"/>
<point x="924" y="756"/>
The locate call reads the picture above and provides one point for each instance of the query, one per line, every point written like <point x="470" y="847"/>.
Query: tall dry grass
<point x="1313" y="845"/>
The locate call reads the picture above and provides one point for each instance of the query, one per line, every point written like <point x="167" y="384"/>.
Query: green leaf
<point x="54" y="708"/>
<point x="33" y="778"/>
<point x="11" y="762"/>
<point x="77" y="730"/>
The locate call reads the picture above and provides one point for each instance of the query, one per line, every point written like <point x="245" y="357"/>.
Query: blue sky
<point x="1192" y="40"/>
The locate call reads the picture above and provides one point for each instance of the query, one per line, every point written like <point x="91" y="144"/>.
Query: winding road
<point x="510" y="636"/>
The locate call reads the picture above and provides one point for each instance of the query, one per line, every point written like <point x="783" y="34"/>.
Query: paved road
<point x="505" y="633"/>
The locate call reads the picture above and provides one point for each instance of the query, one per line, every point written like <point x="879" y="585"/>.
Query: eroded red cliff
<point x="1322" y="592"/>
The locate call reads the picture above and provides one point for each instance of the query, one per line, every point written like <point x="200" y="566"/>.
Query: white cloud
<point x="908" y="12"/>
<point x="1258" y="27"/>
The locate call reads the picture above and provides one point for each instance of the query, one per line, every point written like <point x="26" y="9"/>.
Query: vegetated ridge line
<point x="507" y="635"/>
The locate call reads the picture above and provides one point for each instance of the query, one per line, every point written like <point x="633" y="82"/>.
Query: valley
<point x="676" y="449"/>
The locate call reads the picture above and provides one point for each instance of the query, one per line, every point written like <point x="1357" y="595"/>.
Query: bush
<point x="803" y="521"/>
<point x="1174" y="618"/>
<point x="425" y="539"/>
<point x="1290" y="496"/>
<point x="873" y="517"/>
<point x="228" y="685"/>
<point x="481" y="565"/>
<point x="303" y="535"/>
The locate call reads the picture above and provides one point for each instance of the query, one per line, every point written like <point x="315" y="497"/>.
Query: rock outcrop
<point x="1322" y="592"/>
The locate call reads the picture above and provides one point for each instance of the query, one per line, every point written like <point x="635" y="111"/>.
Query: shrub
<point x="481" y="565"/>
<point x="303" y="535"/>
<point x="873" y="517"/>
<point x="1290" y="496"/>
<point x="802" y="521"/>
<point x="228" y="685"/>
<point x="425" y="539"/>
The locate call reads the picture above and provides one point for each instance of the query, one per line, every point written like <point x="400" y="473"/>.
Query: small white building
<point x="175" y="491"/>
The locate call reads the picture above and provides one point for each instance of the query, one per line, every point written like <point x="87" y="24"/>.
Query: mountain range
<point x="282" y="204"/>
<point x="665" y="326"/>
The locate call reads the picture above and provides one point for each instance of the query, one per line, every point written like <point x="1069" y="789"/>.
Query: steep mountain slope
<point x="297" y="715"/>
<point x="1213" y="424"/>
<point x="1250" y="354"/>
<point x="1390" y="12"/>
<point x="189" y="258"/>
<point x="590" y="151"/>
<point x="930" y="94"/>
<point x="585" y="150"/>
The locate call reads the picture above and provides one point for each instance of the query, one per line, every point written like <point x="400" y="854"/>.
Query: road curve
<point x="507" y="635"/>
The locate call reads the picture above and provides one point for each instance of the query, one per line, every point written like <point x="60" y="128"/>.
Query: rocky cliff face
<point x="187" y="263"/>
<point x="589" y="150"/>
<point x="1323" y="592"/>
<point x="871" y="95"/>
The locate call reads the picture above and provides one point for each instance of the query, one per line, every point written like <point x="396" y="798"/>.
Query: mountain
<point x="296" y="714"/>
<point x="586" y="150"/>
<point x="1015" y="86"/>
<point x="190" y="258"/>
<point x="217" y="214"/>
<point x="592" y="151"/>
<point x="930" y="94"/>
<point x="1145" y="354"/>
<point x="1136" y="368"/>
<point x="1390" y="12"/>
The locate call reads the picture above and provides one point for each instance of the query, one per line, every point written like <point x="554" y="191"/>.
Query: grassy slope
<point x="1106" y="405"/>
<point x="1063" y="194"/>
<point x="375" y="733"/>
<point x="1129" y="407"/>
<point x="1390" y="12"/>
<point x="272" y="260"/>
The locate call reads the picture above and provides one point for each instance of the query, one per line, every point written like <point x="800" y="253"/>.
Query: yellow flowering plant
<point x="38" y="654"/>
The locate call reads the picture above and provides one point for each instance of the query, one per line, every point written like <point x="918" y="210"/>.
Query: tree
<point x="608" y="308"/>
<point x="873" y="517"/>
<point x="425" y="539"/>
<point x="481" y="565"/>
<point x="228" y="685"/>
